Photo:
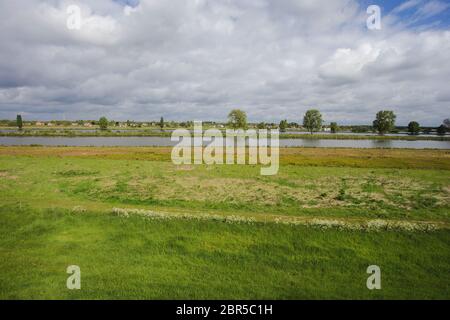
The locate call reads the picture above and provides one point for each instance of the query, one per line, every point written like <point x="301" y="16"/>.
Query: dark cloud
<point x="197" y="59"/>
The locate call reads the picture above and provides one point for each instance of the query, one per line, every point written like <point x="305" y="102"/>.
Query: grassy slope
<point x="138" y="258"/>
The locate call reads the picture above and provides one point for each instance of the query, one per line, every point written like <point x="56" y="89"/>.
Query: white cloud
<point x="431" y="8"/>
<point x="406" y="6"/>
<point x="347" y="63"/>
<point x="196" y="59"/>
<point x="416" y="12"/>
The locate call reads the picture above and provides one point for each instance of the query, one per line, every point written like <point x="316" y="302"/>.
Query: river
<point x="165" y="141"/>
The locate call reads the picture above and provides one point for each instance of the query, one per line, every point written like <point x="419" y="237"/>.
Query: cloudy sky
<point x="197" y="59"/>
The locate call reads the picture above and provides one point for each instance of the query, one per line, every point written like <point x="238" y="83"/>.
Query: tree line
<point x="312" y="121"/>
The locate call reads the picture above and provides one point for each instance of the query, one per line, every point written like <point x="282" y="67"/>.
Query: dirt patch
<point x="6" y="175"/>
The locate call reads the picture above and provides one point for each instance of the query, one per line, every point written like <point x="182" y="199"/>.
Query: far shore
<point x="94" y="132"/>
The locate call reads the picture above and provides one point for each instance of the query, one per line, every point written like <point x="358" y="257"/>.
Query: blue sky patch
<point x="131" y="3"/>
<point x="416" y="14"/>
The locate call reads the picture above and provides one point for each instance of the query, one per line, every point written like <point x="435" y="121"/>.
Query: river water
<point x="140" y="130"/>
<point x="165" y="141"/>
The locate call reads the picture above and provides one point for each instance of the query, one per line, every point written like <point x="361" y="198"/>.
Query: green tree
<point x="414" y="128"/>
<point x="19" y="121"/>
<point x="283" y="125"/>
<point x="161" y="123"/>
<point x="447" y="123"/>
<point x="441" y="130"/>
<point x="333" y="127"/>
<point x="312" y="120"/>
<point x="261" y="125"/>
<point x="237" y="119"/>
<point x="103" y="123"/>
<point x="384" y="122"/>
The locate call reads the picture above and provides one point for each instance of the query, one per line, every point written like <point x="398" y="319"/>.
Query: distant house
<point x="40" y="123"/>
<point x="88" y="124"/>
<point x="49" y="124"/>
<point x="74" y="124"/>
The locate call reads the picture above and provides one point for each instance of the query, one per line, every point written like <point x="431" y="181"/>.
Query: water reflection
<point x="165" y="141"/>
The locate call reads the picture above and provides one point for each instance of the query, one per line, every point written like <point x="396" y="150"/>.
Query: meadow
<point x="155" y="132"/>
<point x="140" y="227"/>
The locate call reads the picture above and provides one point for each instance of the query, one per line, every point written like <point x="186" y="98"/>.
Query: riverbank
<point x="338" y="183"/>
<point x="167" y="133"/>
<point x="317" y="157"/>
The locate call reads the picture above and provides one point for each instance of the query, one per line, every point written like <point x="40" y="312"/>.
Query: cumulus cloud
<point x="197" y="59"/>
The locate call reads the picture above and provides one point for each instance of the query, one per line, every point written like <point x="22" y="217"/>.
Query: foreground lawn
<point x="136" y="258"/>
<point x="56" y="210"/>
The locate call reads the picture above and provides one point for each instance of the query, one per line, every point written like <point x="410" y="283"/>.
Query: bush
<point x="103" y="123"/>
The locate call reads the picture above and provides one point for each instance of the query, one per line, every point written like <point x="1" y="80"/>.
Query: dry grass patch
<point x="335" y="157"/>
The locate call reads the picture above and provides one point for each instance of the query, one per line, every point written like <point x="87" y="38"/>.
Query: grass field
<point x="303" y="233"/>
<point x="154" y="132"/>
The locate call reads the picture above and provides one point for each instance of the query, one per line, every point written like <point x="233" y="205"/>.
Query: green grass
<point x="135" y="258"/>
<point x="56" y="210"/>
<point x="296" y="191"/>
<point x="86" y="133"/>
<point x="154" y="132"/>
<point x="331" y="136"/>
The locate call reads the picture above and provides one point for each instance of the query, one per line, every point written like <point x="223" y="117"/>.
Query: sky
<point x="198" y="59"/>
